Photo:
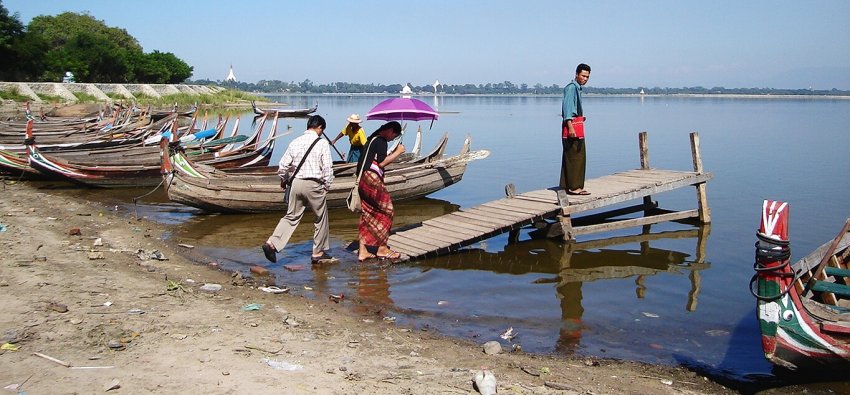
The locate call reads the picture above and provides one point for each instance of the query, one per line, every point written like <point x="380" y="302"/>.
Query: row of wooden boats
<point x="223" y="173"/>
<point x="136" y="161"/>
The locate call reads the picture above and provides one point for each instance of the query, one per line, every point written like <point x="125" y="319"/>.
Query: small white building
<point x="406" y="90"/>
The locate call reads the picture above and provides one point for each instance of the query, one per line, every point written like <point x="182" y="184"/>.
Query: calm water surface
<point x="674" y="295"/>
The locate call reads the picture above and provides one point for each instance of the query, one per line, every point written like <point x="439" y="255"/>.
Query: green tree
<point x="95" y="52"/>
<point x="177" y="70"/>
<point x="61" y="29"/>
<point x="21" y="54"/>
<point x="91" y="58"/>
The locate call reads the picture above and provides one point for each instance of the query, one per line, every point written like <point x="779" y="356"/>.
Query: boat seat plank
<point x="836" y="272"/>
<point x="837" y="289"/>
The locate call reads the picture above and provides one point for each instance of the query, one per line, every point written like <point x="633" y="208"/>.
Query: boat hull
<point x="253" y="194"/>
<point x="801" y="328"/>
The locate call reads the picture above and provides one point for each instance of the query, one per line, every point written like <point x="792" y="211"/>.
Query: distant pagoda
<point x="230" y="76"/>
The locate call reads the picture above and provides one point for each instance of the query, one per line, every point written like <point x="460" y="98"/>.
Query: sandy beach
<point x="89" y="304"/>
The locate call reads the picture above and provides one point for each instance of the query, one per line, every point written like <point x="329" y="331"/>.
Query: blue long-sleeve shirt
<point x="571" y="107"/>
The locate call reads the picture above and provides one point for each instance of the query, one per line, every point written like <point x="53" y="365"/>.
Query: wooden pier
<point x="448" y="233"/>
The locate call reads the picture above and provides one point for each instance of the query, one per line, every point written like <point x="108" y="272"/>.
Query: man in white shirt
<point x="308" y="188"/>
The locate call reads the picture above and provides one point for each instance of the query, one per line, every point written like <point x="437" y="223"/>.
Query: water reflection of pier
<point x="575" y="264"/>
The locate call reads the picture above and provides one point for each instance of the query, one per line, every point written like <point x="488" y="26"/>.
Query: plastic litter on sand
<point x="282" y="365"/>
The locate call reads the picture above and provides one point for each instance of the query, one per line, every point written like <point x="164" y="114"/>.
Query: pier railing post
<point x="702" y="198"/>
<point x="643" y="145"/>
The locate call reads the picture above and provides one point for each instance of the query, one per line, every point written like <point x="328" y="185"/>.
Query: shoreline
<point x="637" y="96"/>
<point x="100" y="277"/>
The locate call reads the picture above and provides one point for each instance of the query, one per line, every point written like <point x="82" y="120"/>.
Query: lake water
<point x="680" y="297"/>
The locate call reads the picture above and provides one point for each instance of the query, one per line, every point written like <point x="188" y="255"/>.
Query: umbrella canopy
<point x="402" y="109"/>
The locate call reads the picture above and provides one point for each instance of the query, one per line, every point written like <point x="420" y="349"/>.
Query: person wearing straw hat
<point x="356" y="135"/>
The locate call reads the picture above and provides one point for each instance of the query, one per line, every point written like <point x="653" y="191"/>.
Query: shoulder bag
<point x="286" y="176"/>
<point x="353" y="199"/>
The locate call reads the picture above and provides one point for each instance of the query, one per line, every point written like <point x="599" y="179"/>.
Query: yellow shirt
<point x="356" y="137"/>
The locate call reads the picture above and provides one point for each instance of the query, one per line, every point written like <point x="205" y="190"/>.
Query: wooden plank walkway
<point x="448" y="233"/>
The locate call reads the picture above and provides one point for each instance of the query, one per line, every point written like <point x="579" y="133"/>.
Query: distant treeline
<point x="507" y="87"/>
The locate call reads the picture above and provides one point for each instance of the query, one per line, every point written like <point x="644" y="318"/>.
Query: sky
<point x="662" y="43"/>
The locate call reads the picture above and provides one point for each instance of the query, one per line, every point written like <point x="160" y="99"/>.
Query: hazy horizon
<point x="666" y="43"/>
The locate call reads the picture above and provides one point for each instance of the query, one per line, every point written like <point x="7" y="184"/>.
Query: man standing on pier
<point x="574" y="157"/>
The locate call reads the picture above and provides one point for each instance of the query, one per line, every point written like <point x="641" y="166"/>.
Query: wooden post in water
<point x="643" y="145"/>
<point x="702" y="198"/>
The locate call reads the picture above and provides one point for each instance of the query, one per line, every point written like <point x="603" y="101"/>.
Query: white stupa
<point x="230" y="76"/>
<point x="436" y="84"/>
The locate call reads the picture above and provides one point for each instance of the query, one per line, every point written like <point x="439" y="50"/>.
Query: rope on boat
<point x="770" y="250"/>
<point x="136" y="199"/>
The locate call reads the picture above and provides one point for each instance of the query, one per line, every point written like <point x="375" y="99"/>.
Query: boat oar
<point x="827" y="256"/>
<point x="332" y="145"/>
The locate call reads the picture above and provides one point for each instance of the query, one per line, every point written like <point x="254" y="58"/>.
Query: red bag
<point x="578" y="127"/>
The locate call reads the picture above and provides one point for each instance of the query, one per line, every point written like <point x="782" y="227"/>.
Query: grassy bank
<point x="223" y="98"/>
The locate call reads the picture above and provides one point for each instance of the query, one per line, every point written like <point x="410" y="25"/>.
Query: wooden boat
<point x="15" y="167"/>
<point x="157" y="115"/>
<point x="250" y="190"/>
<point x="122" y="124"/>
<point x="285" y="112"/>
<point x="803" y="309"/>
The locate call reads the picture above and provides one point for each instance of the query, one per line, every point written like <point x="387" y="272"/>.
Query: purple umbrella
<point x="402" y="109"/>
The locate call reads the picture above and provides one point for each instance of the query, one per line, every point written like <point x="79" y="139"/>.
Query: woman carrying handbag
<point x="376" y="218"/>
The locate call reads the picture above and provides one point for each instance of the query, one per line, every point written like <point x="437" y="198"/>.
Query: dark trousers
<point x="573" y="164"/>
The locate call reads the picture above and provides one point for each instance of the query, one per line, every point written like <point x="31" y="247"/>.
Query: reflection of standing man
<point x="574" y="157"/>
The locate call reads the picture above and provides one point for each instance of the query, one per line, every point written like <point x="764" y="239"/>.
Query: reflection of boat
<point x="803" y="308"/>
<point x="577" y="263"/>
<point x="285" y="112"/>
<point x="259" y="190"/>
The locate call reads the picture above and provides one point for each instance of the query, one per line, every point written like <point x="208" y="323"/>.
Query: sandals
<point x="579" y="192"/>
<point x="394" y="256"/>
<point x="324" y="258"/>
<point x="367" y="258"/>
<point x="391" y="255"/>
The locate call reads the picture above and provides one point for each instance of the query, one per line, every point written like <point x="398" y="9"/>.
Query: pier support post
<point x="643" y="145"/>
<point x="564" y="218"/>
<point x="702" y="198"/>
